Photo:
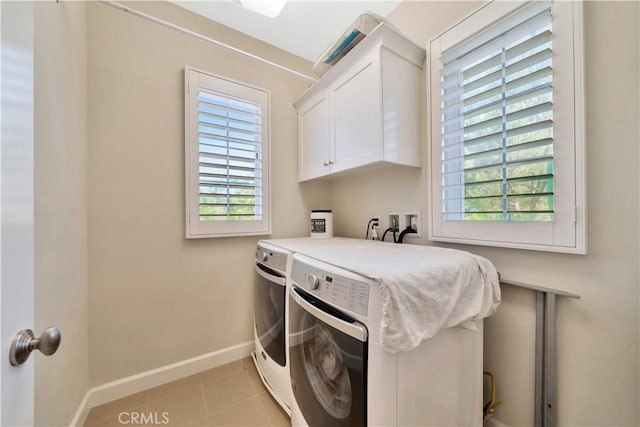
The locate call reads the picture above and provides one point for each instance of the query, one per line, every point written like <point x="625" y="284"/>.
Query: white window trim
<point x="570" y="238"/>
<point x="196" y="229"/>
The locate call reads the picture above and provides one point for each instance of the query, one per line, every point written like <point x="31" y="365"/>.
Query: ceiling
<point x="304" y="28"/>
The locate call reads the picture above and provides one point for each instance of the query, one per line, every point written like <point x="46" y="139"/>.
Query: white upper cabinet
<point x="365" y="111"/>
<point x="313" y="123"/>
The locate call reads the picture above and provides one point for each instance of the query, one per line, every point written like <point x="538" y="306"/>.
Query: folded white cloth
<point x="424" y="289"/>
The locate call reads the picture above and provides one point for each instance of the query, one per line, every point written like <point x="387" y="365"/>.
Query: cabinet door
<point x="356" y="105"/>
<point x="313" y="138"/>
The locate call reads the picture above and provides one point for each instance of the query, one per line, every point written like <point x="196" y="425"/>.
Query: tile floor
<point x="229" y="395"/>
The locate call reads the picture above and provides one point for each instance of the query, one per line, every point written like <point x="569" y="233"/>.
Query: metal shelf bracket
<point x="545" y="376"/>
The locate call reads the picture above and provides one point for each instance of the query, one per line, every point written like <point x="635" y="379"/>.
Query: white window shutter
<point x="230" y="158"/>
<point x="497" y="123"/>
<point x="227" y="157"/>
<point x="507" y="128"/>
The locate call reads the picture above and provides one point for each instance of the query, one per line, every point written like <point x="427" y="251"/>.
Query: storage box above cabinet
<point x="365" y="111"/>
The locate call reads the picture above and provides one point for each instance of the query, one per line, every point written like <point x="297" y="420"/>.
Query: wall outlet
<point x="393" y="220"/>
<point x="373" y="224"/>
<point x="412" y="219"/>
<point x="377" y="218"/>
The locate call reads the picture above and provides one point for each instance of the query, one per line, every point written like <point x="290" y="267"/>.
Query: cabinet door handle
<point x="327" y="163"/>
<point x="330" y="162"/>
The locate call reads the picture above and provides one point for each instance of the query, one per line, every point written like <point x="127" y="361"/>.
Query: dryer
<point x="272" y="266"/>
<point x="340" y="374"/>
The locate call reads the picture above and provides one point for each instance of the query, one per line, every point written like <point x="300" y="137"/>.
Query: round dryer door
<point x="328" y="363"/>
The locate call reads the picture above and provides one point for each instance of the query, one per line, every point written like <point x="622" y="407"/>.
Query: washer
<point x="272" y="267"/>
<point x="340" y="374"/>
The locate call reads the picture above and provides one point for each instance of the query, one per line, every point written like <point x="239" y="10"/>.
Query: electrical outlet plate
<point x="412" y="219"/>
<point x="373" y="228"/>
<point x="378" y="218"/>
<point x="393" y="218"/>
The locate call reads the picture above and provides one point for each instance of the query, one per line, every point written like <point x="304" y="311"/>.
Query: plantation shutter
<point x="226" y="157"/>
<point x="230" y="161"/>
<point x="497" y="121"/>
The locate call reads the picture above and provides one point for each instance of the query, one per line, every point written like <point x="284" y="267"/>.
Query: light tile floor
<point x="229" y="395"/>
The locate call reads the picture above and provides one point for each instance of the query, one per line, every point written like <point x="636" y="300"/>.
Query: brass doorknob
<point x="25" y="342"/>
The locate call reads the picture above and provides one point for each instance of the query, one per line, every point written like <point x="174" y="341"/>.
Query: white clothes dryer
<point x="341" y="376"/>
<point x="272" y="267"/>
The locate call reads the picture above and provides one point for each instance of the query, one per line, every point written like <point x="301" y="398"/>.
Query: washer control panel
<point x="344" y="292"/>
<point x="271" y="258"/>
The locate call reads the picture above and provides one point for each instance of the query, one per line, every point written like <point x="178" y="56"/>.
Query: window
<point x="506" y="128"/>
<point x="226" y="157"/>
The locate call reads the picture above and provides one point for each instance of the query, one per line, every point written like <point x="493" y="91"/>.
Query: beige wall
<point x="156" y="298"/>
<point x="598" y="374"/>
<point x="61" y="207"/>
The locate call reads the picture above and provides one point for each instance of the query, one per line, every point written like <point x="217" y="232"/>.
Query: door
<point x="16" y="207"/>
<point x="357" y="115"/>
<point x="269" y="293"/>
<point x="328" y="363"/>
<point x="313" y="137"/>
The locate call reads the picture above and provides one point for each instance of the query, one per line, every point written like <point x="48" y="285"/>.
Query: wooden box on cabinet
<point x="365" y="111"/>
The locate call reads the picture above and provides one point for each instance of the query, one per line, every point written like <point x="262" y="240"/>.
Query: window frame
<point x="194" y="80"/>
<point x="567" y="232"/>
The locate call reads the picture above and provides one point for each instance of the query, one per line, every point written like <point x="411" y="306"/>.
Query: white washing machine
<point x="341" y="376"/>
<point x="272" y="267"/>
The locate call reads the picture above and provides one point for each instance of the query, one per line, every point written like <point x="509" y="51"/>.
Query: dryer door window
<point x="269" y="295"/>
<point x="328" y="363"/>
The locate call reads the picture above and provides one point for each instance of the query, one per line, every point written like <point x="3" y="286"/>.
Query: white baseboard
<point x="494" y="422"/>
<point x="123" y="387"/>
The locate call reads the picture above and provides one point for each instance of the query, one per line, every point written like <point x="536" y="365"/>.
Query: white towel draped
<point x="424" y="289"/>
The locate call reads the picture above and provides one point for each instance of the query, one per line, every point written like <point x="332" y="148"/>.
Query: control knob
<point x="314" y="282"/>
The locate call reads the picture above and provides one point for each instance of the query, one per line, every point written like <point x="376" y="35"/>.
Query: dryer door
<point x="328" y="364"/>
<point x="269" y="296"/>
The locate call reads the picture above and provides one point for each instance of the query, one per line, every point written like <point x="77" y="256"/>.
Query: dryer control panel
<point x="335" y="289"/>
<point x="272" y="258"/>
